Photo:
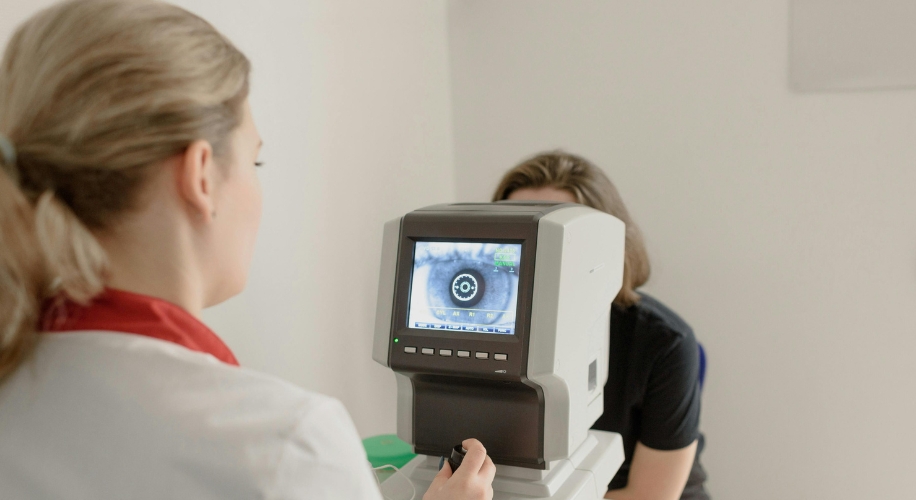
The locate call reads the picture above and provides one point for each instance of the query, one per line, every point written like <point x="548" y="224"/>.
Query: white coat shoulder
<point x="110" y="415"/>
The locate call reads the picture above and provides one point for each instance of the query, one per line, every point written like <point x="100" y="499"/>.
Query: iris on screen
<point x="464" y="286"/>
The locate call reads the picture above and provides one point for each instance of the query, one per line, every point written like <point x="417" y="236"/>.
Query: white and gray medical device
<point x="495" y="320"/>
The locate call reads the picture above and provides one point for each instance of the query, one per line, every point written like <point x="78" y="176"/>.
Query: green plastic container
<point x="387" y="449"/>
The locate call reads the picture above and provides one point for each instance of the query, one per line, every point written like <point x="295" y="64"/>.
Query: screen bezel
<point x="518" y="267"/>
<point x="509" y="228"/>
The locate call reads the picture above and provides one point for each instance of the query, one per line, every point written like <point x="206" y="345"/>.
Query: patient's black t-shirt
<point x="653" y="391"/>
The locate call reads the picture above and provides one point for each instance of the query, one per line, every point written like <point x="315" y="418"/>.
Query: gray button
<point x="500" y="356"/>
<point x="410" y="350"/>
<point x="464" y="354"/>
<point x="445" y="352"/>
<point x="482" y="355"/>
<point x="428" y="351"/>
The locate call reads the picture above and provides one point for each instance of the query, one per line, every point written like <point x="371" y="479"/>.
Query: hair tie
<point x="7" y="150"/>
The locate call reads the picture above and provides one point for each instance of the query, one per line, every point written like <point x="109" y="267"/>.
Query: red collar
<point x="126" y="312"/>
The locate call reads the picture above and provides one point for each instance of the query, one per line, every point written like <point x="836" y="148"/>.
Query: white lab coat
<point x="102" y="415"/>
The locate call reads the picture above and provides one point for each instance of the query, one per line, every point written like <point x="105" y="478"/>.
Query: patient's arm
<point x="657" y="474"/>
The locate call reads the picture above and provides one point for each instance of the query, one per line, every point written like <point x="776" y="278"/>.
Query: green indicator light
<point x="395" y="340"/>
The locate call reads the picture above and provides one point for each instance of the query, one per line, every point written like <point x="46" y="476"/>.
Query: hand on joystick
<point x="468" y="479"/>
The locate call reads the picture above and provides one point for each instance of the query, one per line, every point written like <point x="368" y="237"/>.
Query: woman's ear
<point x="195" y="174"/>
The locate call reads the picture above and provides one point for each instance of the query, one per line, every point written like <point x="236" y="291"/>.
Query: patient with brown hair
<point x="652" y="396"/>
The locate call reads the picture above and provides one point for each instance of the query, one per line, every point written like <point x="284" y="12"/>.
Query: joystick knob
<point x="457" y="456"/>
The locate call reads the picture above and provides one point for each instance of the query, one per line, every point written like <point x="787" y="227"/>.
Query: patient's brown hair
<point x="589" y="185"/>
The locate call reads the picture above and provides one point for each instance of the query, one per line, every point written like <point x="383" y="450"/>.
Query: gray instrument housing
<point x="537" y="406"/>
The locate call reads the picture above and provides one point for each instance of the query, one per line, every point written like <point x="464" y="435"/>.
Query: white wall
<point x="781" y="226"/>
<point x="352" y="99"/>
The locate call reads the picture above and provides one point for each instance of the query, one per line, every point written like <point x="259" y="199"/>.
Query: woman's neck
<point x="152" y="254"/>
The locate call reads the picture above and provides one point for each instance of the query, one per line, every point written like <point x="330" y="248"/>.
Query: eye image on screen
<point x="471" y="287"/>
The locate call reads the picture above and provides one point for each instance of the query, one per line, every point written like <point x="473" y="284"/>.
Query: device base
<point x="583" y="476"/>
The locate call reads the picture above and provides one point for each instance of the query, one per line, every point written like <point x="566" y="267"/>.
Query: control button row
<point x="429" y="351"/>
<point x="497" y="356"/>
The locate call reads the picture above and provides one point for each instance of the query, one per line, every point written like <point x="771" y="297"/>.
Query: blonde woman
<point x="652" y="396"/>
<point x="129" y="202"/>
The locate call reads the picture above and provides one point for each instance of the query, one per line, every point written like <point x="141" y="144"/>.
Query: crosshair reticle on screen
<point x="470" y="287"/>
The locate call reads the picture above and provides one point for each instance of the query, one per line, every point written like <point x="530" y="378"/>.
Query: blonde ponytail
<point x="45" y="252"/>
<point x="72" y="256"/>
<point x="22" y="275"/>
<point x="93" y="94"/>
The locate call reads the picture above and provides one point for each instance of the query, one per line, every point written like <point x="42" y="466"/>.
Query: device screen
<point x="460" y="286"/>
